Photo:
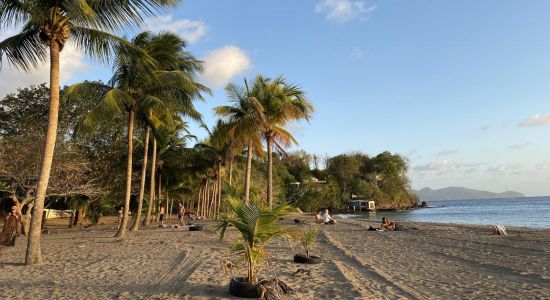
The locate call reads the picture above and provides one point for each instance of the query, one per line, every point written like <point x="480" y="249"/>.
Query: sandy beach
<point x="425" y="261"/>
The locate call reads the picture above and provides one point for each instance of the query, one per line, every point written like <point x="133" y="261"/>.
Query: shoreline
<point x="435" y="260"/>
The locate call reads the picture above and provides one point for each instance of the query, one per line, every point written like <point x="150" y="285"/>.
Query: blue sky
<point x="461" y="88"/>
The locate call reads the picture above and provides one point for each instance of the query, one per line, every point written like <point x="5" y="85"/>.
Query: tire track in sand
<point x="368" y="280"/>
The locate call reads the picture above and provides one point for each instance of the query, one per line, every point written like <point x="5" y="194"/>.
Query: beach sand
<point x="431" y="261"/>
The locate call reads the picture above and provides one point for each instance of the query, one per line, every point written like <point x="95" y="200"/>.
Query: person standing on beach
<point x="12" y="227"/>
<point x="161" y="215"/>
<point x="120" y="216"/>
<point x="181" y="213"/>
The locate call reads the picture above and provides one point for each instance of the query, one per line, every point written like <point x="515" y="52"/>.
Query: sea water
<point x="531" y="212"/>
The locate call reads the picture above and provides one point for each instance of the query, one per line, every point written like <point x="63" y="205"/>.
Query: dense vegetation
<point x="89" y="170"/>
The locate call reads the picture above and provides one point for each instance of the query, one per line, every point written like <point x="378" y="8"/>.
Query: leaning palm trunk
<point x="147" y="219"/>
<point x="137" y="219"/>
<point x="122" y="229"/>
<point x="248" y="171"/>
<point x="33" y="255"/>
<point x="269" y="173"/>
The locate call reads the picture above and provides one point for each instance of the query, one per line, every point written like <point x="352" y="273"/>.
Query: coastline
<point x="435" y="260"/>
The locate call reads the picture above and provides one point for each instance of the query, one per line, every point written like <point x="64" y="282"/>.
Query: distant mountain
<point x="458" y="193"/>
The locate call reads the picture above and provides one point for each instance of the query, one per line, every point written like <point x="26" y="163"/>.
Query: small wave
<point x="345" y="216"/>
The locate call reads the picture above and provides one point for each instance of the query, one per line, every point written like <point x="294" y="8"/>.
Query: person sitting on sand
<point x="327" y="219"/>
<point x="318" y="218"/>
<point x="499" y="230"/>
<point x="12" y="227"/>
<point x="387" y="224"/>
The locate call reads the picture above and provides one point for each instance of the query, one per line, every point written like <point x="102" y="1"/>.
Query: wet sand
<point x="432" y="261"/>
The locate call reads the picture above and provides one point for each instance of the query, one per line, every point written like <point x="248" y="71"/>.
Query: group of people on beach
<point x="324" y="218"/>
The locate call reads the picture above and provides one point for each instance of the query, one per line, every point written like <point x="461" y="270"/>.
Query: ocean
<point x="532" y="212"/>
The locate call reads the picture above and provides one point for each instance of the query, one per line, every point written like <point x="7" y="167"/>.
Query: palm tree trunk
<point x="137" y="219"/>
<point x="147" y="219"/>
<point x="122" y="229"/>
<point x="159" y="202"/>
<point x="33" y="255"/>
<point x="219" y="190"/>
<point x="247" y="176"/>
<point x="269" y="173"/>
<point x="199" y="200"/>
<point x="231" y="173"/>
<point x="206" y="198"/>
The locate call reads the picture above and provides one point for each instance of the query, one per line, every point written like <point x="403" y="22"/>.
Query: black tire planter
<point x="195" y="228"/>
<point x="302" y="259"/>
<point x="239" y="287"/>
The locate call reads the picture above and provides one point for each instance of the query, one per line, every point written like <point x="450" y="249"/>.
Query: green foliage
<point x="257" y="225"/>
<point x="308" y="239"/>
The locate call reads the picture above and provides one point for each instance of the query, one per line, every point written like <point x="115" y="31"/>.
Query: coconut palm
<point x="167" y="50"/>
<point x="50" y="25"/>
<point x="244" y="119"/>
<point x="136" y="86"/>
<point x="282" y="103"/>
<point x="257" y="225"/>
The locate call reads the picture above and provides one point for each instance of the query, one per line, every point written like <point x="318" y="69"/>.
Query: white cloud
<point x="71" y="61"/>
<point x="189" y="30"/>
<point x="223" y="64"/>
<point x="506" y="169"/>
<point x="535" y="120"/>
<point x="342" y="11"/>
<point x="357" y="53"/>
<point x="544" y="166"/>
<point x="446" y="152"/>
<point x="441" y="166"/>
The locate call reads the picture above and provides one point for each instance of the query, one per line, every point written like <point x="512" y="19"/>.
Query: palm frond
<point x="24" y="50"/>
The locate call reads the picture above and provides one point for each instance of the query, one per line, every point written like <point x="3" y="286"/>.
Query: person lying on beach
<point x="318" y="218"/>
<point x="327" y="219"/>
<point x="387" y="224"/>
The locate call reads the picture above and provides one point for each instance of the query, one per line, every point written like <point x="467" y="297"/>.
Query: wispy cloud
<point x="189" y="30"/>
<point x="447" y="152"/>
<point x="342" y="11"/>
<point x="223" y="64"/>
<point x="446" y="166"/>
<point x="535" y="121"/>
<point x="518" y="146"/>
<point x="356" y="53"/>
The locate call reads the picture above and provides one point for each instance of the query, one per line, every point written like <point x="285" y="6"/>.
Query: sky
<point x="459" y="88"/>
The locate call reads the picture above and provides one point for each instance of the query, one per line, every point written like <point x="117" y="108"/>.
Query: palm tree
<point x="282" y="102"/>
<point x="167" y="50"/>
<point x="49" y="25"/>
<point x="136" y="86"/>
<point x="258" y="225"/>
<point x="244" y="119"/>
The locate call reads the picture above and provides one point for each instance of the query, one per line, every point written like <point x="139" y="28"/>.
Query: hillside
<point x="457" y="193"/>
